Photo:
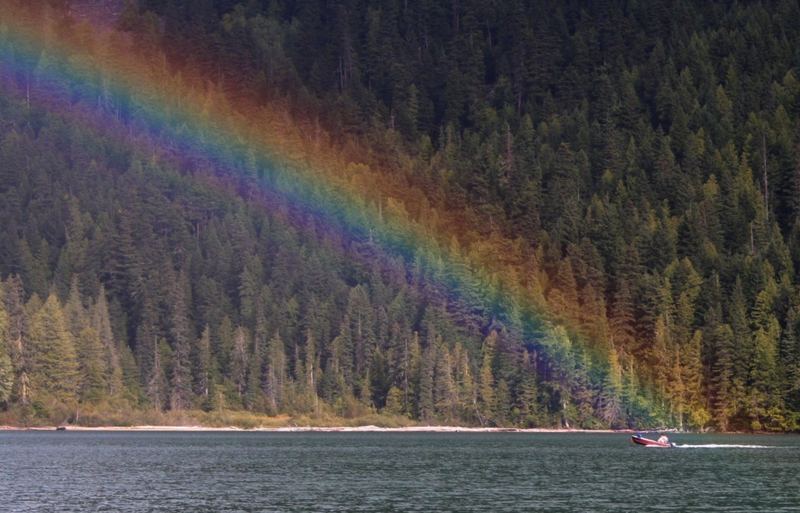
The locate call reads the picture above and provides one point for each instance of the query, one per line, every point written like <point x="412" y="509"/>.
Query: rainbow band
<point x="186" y="116"/>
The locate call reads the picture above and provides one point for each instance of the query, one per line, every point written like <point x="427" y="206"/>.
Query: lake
<point x="385" y="472"/>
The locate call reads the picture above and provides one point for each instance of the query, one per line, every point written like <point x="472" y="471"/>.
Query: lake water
<point x="384" y="472"/>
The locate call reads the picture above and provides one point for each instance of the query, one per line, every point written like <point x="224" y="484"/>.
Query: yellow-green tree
<point x="52" y="356"/>
<point x="6" y="368"/>
<point x="486" y="384"/>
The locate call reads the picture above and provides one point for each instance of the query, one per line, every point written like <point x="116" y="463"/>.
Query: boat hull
<point x="640" y="440"/>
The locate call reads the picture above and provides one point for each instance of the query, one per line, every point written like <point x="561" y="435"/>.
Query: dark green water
<point x="199" y="472"/>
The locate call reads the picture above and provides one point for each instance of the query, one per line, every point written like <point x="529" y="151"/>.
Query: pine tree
<point x="466" y="401"/>
<point x="276" y="379"/>
<point x="181" y="378"/>
<point x="445" y="397"/>
<point x="412" y="358"/>
<point x="692" y="379"/>
<point x="486" y="383"/>
<point x="743" y="349"/>
<point x="6" y="367"/>
<point x="202" y="365"/>
<point x="101" y="323"/>
<point x="427" y="368"/>
<point x="564" y="189"/>
<point x="394" y="401"/>
<point x="146" y="342"/>
<point x="17" y="335"/>
<point x="311" y="369"/>
<point x="239" y="361"/>
<point x="87" y="346"/>
<point x="52" y="356"/>
<point x="258" y="383"/>
<point x="89" y="351"/>
<point x="621" y="317"/>
<point x="610" y="407"/>
<point x="676" y="388"/>
<point x="563" y="298"/>
<point x="156" y="387"/>
<point x="764" y="373"/>
<point x="721" y="376"/>
<point x="74" y="312"/>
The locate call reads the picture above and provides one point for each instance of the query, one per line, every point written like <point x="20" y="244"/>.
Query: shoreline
<point x="315" y="429"/>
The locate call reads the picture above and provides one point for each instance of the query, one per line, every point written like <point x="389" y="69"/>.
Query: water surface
<point x="386" y="472"/>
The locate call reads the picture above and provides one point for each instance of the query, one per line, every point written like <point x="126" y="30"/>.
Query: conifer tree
<point x="6" y="367"/>
<point x="743" y="348"/>
<point x="692" y="379"/>
<point x="156" y="387"/>
<point x="721" y="376"/>
<point x="181" y="378"/>
<point x="146" y="340"/>
<point x="89" y="351"/>
<point x="101" y="323"/>
<point x="17" y="334"/>
<point x="394" y="401"/>
<point x="202" y="364"/>
<point x="427" y="370"/>
<point x="74" y="311"/>
<point x="51" y="352"/>
<point x="445" y="396"/>
<point x="764" y="373"/>
<point x="622" y="317"/>
<point x="611" y="395"/>
<point x="465" y="384"/>
<point x="311" y="366"/>
<point x="276" y="379"/>
<point x="258" y="377"/>
<point x="486" y="377"/>
<point x="239" y="361"/>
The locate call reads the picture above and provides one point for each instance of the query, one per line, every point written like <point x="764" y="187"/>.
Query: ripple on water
<point x="415" y="472"/>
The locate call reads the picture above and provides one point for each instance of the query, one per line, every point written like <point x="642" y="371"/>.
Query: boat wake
<point x="724" y="446"/>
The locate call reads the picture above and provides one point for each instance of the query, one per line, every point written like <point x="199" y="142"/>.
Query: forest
<point x="610" y="190"/>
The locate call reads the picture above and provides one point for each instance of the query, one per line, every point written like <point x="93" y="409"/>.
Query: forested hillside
<point x="632" y="168"/>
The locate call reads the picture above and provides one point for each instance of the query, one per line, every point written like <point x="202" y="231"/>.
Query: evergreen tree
<point x="239" y="361"/>
<point x="721" y="376"/>
<point x="181" y="378"/>
<point x="54" y="371"/>
<point x="276" y="378"/>
<point x="311" y="365"/>
<point x="101" y="323"/>
<point x="201" y="365"/>
<point x="17" y="335"/>
<point x="89" y="351"/>
<point x="157" y="388"/>
<point x="486" y="378"/>
<point x="427" y="371"/>
<point x="6" y="367"/>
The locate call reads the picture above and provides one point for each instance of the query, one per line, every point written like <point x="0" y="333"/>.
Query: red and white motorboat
<point x="647" y="442"/>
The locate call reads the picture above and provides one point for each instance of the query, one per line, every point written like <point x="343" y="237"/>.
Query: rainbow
<point x="82" y="73"/>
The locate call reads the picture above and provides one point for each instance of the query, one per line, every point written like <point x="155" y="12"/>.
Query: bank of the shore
<point x="321" y="429"/>
<point x="119" y="419"/>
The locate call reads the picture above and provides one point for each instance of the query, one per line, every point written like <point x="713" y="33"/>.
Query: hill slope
<point x="644" y="159"/>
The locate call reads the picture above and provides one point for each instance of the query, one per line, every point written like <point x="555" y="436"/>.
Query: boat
<point x="647" y="442"/>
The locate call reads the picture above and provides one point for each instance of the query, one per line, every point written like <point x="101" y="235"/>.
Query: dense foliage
<point x="646" y="155"/>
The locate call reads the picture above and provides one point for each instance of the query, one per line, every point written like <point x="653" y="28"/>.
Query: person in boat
<point x="663" y="439"/>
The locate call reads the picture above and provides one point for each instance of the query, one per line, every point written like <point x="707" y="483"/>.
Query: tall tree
<point x="181" y="379"/>
<point x="54" y="371"/>
<point x="6" y="367"/>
